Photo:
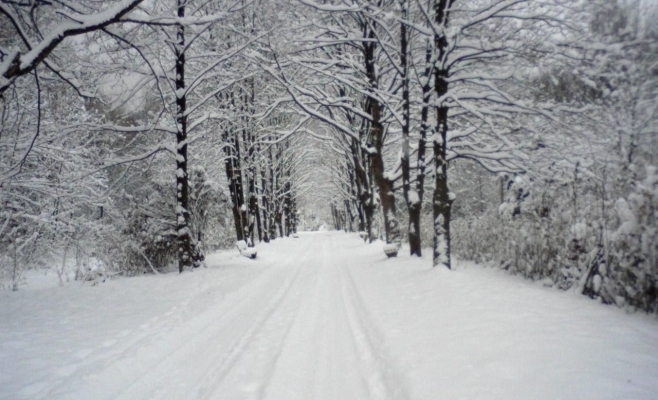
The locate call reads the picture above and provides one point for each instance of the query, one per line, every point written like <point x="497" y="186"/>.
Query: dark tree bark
<point x="350" y="216"/>
<point x="374" y="109"/>
<point x="416" y="209"/>
<point x="350" y="203"/>
<point x="234" y="179"/>
<point x="249" y="141"/>
<point x="361" y="216"/>
<point x="253" y="199"/>
<point x="253" y="210"/>
<point x="256" y="212"/>
<point x="293" y="206"/>
<point x="266" y="205"/>
<point x="442" y="201"/>
<point x="334" y="216"/>
<point x="286" y="208"/>
<point x="235" y="174"/>
<point x="363" y="174"/>
<point x="359" y="175"/>
<point x="411" y="199"/>
<point x="275" y="221"/>
<point x="370" y="206"/>
<point x="187" y="252"/>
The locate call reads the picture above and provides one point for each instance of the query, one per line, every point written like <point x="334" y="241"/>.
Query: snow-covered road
<point x="322" y="317"/>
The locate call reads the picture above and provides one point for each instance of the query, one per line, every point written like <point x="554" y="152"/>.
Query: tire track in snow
<point x="236" y="350"/>
<point x="189" y="336"/>
<point x="293" y="324"/>
<point x="239" y="338"/>
<point x="383" y="378"/>
<point x="146" y="340"/>
<point x="303" y="319"/>
<point x="317" y="358"/>
<point x="327" y="352"/>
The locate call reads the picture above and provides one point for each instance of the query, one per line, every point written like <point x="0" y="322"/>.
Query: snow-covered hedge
<point x="607" y="249"/>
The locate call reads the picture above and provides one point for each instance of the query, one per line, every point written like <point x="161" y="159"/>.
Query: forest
<point x="137" y="137"/>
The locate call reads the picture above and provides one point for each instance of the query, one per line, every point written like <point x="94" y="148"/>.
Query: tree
<point x="180" y="61"/>
<point x="73" y="20"/>
<point x="480" y="53"/>
<point x="576" y="218"/>
<point x="347" y="60"/>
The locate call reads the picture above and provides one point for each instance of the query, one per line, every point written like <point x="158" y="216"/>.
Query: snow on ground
<point x="324" y="316"/>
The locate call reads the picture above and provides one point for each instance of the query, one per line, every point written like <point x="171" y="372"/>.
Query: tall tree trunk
<point x="358" y="174"/>
<point x="285" y="218"/>
<point x="360" y="215"/>
<point x="442" y="199"/>
<point x="234" y="178"/>
<point x="350" y="216"/>
<point x="259" y="224"/>
<point x="266" y="206"/>
<point x="416" y="209"/>
<point x="369" y="211"/>
<point x="351" y="189"/>
<point x="411" y="198"/>
<point x="363" y="187"/>
<point x="249" y="140"/>
<point x="292" y="217"/>
<point x="256" y="175"/>
<point x="253" y="210"/>
<point x="385" y="186"/>
<point x="273" y="201"/>
<point x="372" y="206"/>
<point x="334" y="216"/>
<point x="187" y="254"/>
<point x="253" y="199"/>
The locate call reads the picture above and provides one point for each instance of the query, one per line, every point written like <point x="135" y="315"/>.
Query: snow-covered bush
<point x="630" y="274"/>
<point x="150" y="231"/>
<point x="606" y="249"/>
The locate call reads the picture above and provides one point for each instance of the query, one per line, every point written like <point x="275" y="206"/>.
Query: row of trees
<point x="257" y="107"/>
<point x="543" y="114"/>
<point x="128" y="141"/>
<point x="583" y="215"/>
<point x="438" y="80"/>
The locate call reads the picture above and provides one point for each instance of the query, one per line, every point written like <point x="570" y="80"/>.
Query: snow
<point x="8" y="60"/>
<point x="628" y="221"/>
<point x="391" y="247"/>
<point x="413" y="197"/>
<point x="437" y="138"/>
<point x="324" y="316"/>
<point x="579" y="230"/>
<point x="84" y="22"/>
